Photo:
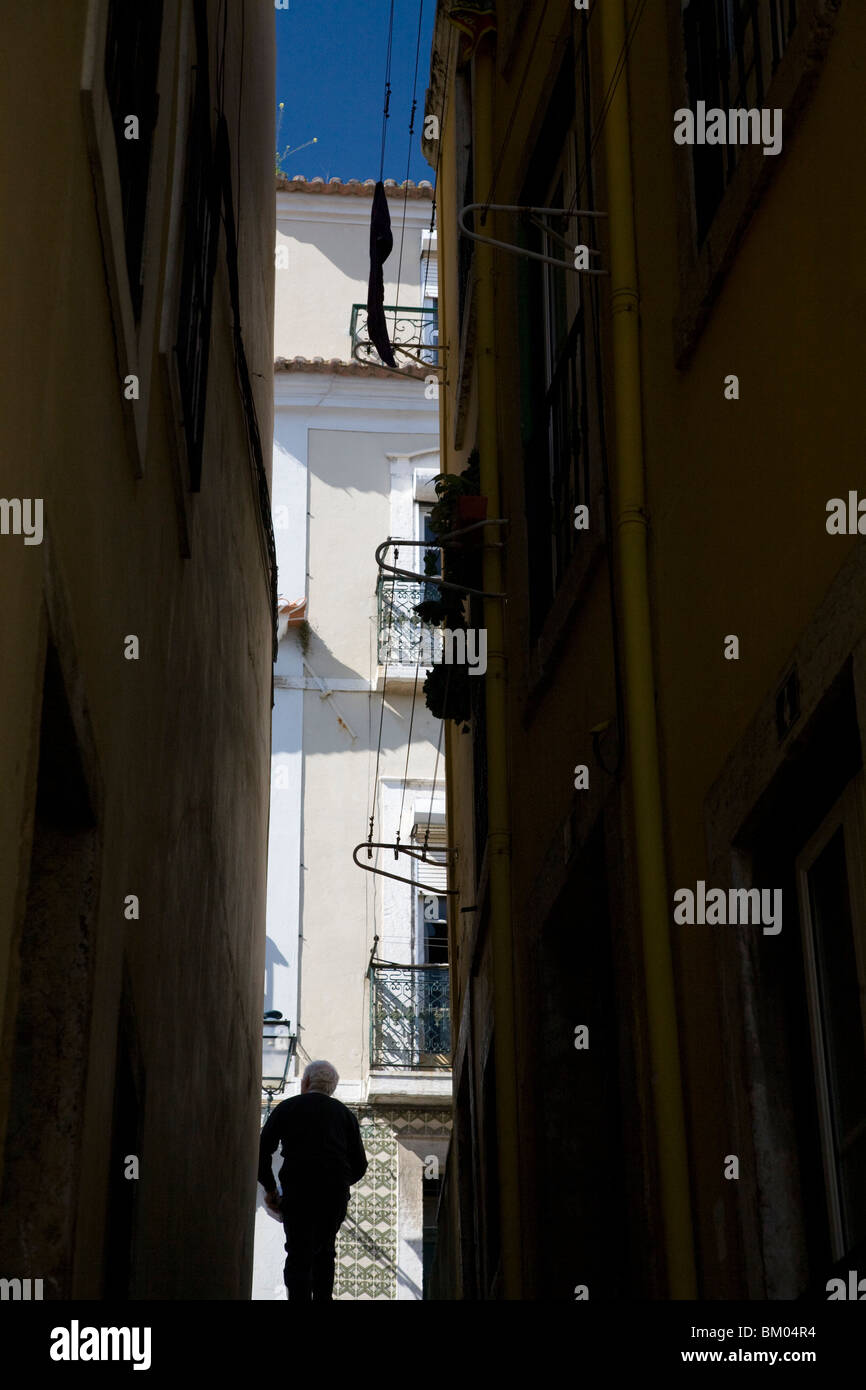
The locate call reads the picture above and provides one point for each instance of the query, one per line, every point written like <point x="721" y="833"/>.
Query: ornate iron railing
<point x="414" y="335"/>
<point x="410" y="1017"/>
<point x="401" y="632"/>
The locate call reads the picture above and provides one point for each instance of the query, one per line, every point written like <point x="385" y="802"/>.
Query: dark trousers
<point x="312" y="1216"/>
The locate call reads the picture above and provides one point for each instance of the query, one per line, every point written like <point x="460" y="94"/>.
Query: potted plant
<point x="447" y="693"/>
<point x="458" y="504"/>
<point x="469" y="509"/>
<point x="441" y="605"/>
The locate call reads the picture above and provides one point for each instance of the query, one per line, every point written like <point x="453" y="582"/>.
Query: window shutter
<point x="430" y="276"/>
<point x="435" y="871"/>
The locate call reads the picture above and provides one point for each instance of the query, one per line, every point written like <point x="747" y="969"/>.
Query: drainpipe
<point x="498" y="813"/>
<point x="629" y="510"/>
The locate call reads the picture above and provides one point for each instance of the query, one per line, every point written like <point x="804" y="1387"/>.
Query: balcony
<point x="410" y="1018"/>
<point x="414" y="335"/>
<point x="402" y="637"/>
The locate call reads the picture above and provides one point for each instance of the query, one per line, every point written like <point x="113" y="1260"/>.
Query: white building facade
<point x="357" y="962"/>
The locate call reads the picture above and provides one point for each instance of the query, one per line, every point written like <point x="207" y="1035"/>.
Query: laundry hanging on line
<point x="381" y="246"/>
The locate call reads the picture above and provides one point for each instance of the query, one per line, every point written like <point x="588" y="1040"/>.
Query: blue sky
<point x="331" y="75"/>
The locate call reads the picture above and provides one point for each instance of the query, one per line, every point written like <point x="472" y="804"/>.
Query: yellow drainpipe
<point x="499" y="813"/>
<point x="631" y="536"/>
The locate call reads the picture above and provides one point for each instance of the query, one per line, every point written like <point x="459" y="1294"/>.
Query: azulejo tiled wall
<point x="367" y="1243"/>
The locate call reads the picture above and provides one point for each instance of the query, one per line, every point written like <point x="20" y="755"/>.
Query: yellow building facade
<point x="659" y="944"/>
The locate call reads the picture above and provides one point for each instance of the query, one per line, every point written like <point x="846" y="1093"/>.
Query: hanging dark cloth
<point x="381" y="246"/>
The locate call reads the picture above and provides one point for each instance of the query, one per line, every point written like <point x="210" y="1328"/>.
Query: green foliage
<point x="304" y="632"/>
<point x="450" y="486"/>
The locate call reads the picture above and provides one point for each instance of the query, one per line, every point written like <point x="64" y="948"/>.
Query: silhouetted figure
<point x="322" y="1156"/>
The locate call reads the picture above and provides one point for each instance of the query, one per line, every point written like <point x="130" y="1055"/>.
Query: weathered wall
<point x="176" y="743"/>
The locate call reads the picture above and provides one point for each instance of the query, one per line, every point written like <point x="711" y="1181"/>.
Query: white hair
<point x="321" y="1076"/>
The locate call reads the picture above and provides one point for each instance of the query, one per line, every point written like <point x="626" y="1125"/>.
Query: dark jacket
<point x="321" y="1142"/>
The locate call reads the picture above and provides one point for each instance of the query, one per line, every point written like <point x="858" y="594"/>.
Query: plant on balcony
<point x="459" y="504"/>
<point x="447" y="693"/>
<point x="447" y="605"/>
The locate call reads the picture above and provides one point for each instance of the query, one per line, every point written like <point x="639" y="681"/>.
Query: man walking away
<point x="322" y="1156"/>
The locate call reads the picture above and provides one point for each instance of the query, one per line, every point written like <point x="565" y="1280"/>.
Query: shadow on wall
<point x="321" y="658"/>
<point x="273" y="956"/>
<point x="346" y="248"/>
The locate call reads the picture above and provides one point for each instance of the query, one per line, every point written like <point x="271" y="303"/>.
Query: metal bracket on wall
<point x="436" y="369"/>
<point x="326" y="693"/>
<point x="370" y="845"/>
<point x="438" y="545"/>
<point x="535" y="215"/>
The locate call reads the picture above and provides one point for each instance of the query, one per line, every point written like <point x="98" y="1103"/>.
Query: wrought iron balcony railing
<point x="414" y="335"/>
<point x="410" y="1017"/>
<point x="402" y="634"/>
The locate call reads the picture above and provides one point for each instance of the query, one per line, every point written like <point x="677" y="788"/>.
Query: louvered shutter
<point x="430" y="276"/>
<point x="435" y="871"/>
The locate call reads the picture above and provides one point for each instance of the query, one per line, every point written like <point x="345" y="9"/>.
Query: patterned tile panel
<point x="367" y="1243"/>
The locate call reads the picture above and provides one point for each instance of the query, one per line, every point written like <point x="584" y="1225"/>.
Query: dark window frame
<point x="792" y="69"/>
<point x="133" y="42"/>
<point x="561" y="377"/>
<point x="732" y="49"/>
<point x="200" y="240"/>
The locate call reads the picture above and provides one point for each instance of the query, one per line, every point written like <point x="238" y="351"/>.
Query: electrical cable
<point x="619" y="69"/>
<point x="513" y="117"/>
<point x="441" y="119"/>
<point x="436" y="764"/>
<point x="386" y="110"/>
<point x="382" y="709"/>
<point x="409" y="740"/>
<point x="408" y="164"/>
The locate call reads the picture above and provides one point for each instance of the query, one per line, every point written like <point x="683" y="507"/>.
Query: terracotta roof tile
<point x="340" y="368"/>
<point x="357" y="187"/>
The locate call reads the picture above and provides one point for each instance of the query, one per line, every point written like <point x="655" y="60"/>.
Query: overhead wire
<point x="386" y="114"/>
<point x="436" y="764"/>
<point x="386" y="110"/>
<point x="441" y="120"/>
<point x="616" y="75"/>
<point x="513" y="116"/>
<point x="408" y="162"/>
<point x="382" y="710"/>
<point x="409" y="739"/>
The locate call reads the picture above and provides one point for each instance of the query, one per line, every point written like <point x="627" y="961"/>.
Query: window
<point x="431" y="921"/>
<point x="832" y="891"/>
<point x="561" y="403"/>
<point x="430" y="1208"/>
<point x="478" y="709"/>
<point x="433" y="934"/>
<point x="733" y="47"/>
<point x="465" y="185"/>
<point x="132" y="45"/>
<point x="429" y="297"/>
<point x="425" y="532"/>
<point x="201" y="202"/>
<point x="128" y="80"/>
